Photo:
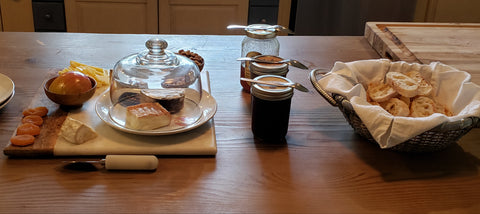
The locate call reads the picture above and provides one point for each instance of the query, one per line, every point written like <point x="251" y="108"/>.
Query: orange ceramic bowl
<point x="70" y="100"/>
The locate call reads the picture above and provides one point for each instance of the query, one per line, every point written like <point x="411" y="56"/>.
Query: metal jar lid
<point x="260" y="31"/>
<point x="259" y="68"/>
<point x="272" y="93"/>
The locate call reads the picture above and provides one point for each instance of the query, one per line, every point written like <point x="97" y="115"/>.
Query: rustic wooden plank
<point x="456" y="46"/>
<point x="384" y="37"/>
<point x="45" y="141"/>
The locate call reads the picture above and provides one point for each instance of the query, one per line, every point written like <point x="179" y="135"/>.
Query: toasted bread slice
<point x="380" y="92"/>
<point x="424" y="88"/>
<point x="403" y="84"/>
<point x="422" y="107"/>
<point x="396" y="107"/>
<point x="439" y="108"/>
<point x="407" y="100"/>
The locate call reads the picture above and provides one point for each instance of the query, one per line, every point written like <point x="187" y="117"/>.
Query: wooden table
<point x="323" y="168"/>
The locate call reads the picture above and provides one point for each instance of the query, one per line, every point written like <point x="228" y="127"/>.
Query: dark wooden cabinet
<point x="466" y="11"/>
<point x="345" y="17"/>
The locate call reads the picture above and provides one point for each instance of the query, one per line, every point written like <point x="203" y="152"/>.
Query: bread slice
<point x="403" y="84"/>
<point x="424" y="88"/>
<point x="147" y="116"/>
<point x="422" y="107"/>
<point x="439" y="108"/>
<point x="396" y="107"/>
<point x="380" y="92"/>
<point x="407" y="100"/>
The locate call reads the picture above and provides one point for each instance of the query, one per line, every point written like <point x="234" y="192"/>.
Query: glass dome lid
<point x="151" y="77"/>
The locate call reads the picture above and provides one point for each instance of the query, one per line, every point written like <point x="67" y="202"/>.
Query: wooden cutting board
<point x="199" y="141"/>
<point x="454" y="44"/>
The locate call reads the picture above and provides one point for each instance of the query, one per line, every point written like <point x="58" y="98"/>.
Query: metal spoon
<point x="294" y="85"/>
<point x="291" y="62"/>
<point x="277" y="28"/>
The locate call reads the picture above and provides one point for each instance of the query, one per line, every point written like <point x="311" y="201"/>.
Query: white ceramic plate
<point x="4" y="103"/>
<point x="207" y="106"/>
<point x="6" y="88"/>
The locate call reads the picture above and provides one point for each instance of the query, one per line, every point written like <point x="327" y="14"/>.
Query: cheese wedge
<point x="75" y="131"/>
<point x="147" y="116"/>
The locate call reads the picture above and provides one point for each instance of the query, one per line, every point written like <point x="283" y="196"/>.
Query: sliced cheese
<point x="99" y="74"/>
<point x="75" y="131"/>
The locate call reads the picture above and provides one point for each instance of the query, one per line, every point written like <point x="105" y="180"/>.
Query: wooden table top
<point x="323" y="168"/>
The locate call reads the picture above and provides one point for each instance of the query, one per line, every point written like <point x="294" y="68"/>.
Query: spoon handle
<point x="297" y="86"/>
<point x="267" y="82"/>
<point x="236" y="27"/>
<point x="255" y="27"/>
<point x="291" y="62"/>
<point x="245" y="59"/>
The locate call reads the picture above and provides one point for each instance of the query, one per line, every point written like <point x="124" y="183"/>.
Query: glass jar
<point x="156" y="75"/>
<point x="271" y="109"/>
<point x="259" y="40"/>
<point x="258" y="68"/>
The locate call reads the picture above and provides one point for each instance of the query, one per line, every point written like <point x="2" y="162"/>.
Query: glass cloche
<point x="155" y="89"/>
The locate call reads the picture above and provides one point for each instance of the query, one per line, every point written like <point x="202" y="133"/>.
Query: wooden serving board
<point x="199" y="141"/>
<point x="454" y="44"/>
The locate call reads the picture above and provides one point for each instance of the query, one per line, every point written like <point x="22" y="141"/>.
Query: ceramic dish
<point x="6" y="88"/>
<point x="4" y="103"/>
<point x="207" y="108"/>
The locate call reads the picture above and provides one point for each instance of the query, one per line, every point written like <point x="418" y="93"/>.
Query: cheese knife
<point x="116" y="162"/>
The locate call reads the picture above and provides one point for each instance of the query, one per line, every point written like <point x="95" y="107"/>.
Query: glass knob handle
<point x="156" y="46"/>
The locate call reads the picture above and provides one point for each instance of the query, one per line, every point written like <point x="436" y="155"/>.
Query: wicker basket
<point x="435" y="139"/>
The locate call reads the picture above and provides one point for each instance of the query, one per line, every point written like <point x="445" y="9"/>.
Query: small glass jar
<point x="259" y="69"/>
<point x="259" y="40"/>
<point x="271" y="109"/>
